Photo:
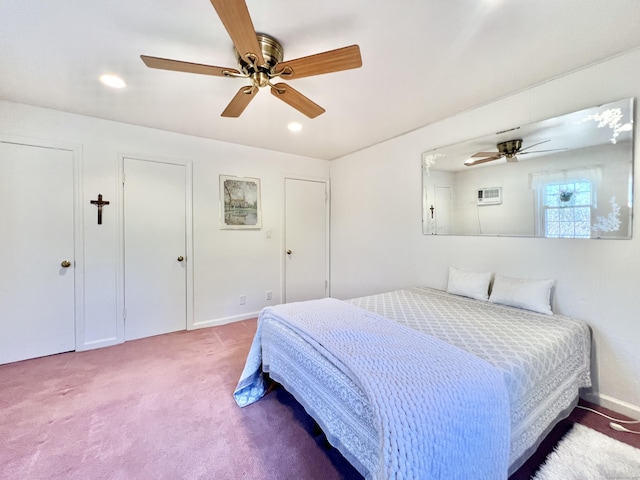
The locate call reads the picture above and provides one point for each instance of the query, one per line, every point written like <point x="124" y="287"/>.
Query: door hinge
<point x="124" y="314"/>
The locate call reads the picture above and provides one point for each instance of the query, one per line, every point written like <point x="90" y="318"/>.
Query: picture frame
<point x="240" y="204"/>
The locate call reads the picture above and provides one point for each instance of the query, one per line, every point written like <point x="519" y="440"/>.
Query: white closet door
<point x="155" y="293"/>
<point x="306" y="240"/>
<point x="443" y="209"/>
<point x="36" y="223"/>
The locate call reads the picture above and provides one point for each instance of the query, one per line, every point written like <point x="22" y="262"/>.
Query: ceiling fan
<point x="259" y="58"/>
<point x="508" y="150"/>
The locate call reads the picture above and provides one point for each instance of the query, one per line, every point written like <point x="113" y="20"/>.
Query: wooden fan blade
<point x="541" y="151"/>
<point x="298" y="101"/>
<point x="235" y="17"/>
<point x="332" y="61"/>
<point x="471" y="163"/>
<point x="179" y="66"/>
<point x="239" y="102"/>
<point x="530" y="146"/>
<point x="485" y="154"/>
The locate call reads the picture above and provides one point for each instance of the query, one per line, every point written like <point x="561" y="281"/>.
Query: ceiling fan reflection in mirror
<point x="259" y="58"/>
<point x="508" y="150"/>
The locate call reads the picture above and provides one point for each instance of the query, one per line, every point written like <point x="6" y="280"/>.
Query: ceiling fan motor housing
<point x="272" y="53"/>
<point x="510" y="148"/>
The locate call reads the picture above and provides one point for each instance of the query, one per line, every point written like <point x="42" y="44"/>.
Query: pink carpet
<point x="162" y="408"/>
<point x="156" y="408"/>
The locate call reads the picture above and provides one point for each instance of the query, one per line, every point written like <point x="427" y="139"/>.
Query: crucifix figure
<point x="99" y="203"/>
<point x="432" y="209"/>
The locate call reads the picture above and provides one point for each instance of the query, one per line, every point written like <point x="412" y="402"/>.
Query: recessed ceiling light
<point x="112" y="81"/>
<point x="294" y="126"/>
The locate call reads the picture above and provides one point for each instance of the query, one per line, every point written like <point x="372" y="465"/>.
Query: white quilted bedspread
<point x="440" y="412"/>
<point x="544" y="359"/>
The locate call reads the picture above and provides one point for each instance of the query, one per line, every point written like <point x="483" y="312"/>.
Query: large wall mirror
<point x="565" y="177"/>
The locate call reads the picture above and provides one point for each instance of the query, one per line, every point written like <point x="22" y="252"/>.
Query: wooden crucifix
<point x="99" y="203"/>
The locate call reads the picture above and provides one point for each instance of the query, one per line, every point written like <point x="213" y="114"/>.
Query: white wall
<point x="377" y="244"/>
<point x="227" y="263"/>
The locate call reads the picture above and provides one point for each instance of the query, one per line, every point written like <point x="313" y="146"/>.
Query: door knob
<point x="289" y="252"/>
<point x="65" y="263"/>
<point x="180" y="258"/>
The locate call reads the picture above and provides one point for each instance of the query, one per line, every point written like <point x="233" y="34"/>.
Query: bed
<point x="464" y="388"/>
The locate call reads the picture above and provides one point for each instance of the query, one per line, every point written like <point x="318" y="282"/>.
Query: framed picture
<point x="240" y="203"/>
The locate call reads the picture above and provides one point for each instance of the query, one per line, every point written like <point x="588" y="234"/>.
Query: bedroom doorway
<point x="37" y="290"/>
<point x="306" y="240"/>
<point x="156" y="247"/>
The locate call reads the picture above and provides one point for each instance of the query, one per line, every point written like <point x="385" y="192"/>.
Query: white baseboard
<point x="614" y="404"/>
<point x="108" y="342"/>
<point x="225" y="320"/>
<point x="104" y="342"/>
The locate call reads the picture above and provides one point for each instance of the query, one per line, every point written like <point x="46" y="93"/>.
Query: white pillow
<point x="469" y="284"/>
<point x="532" y="295"/>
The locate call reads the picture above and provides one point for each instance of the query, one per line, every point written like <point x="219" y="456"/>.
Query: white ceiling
<point x="423" y="60"/>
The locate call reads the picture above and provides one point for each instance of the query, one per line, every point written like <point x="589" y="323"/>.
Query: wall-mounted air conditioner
<point x="490" y="196"/>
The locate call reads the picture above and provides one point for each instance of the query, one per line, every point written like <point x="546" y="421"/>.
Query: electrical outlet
<point x="268" y="294"/>
<point x="243" y="299"/>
